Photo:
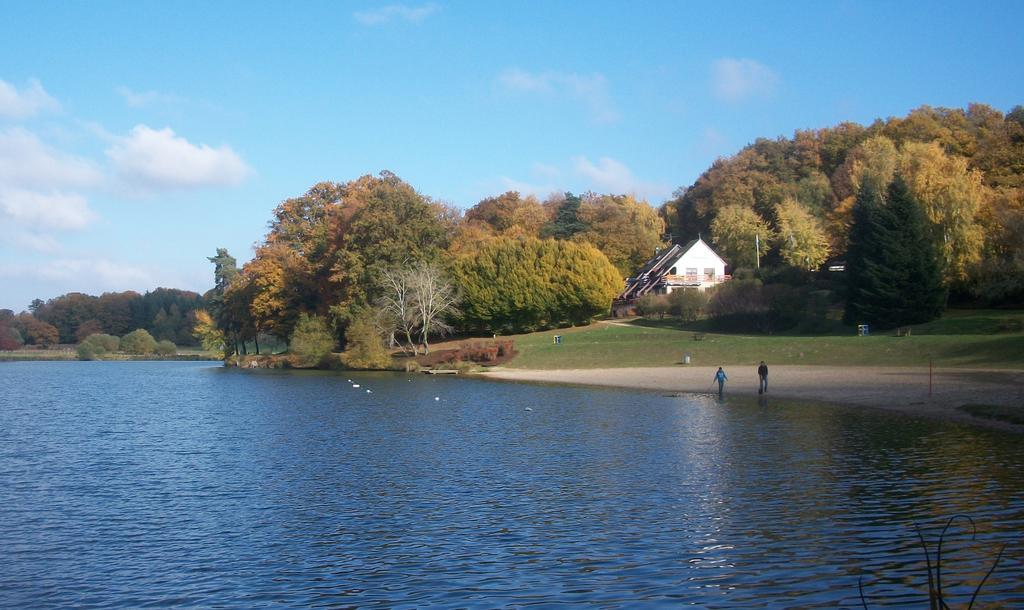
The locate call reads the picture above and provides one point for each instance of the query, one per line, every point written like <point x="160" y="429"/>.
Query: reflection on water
<point x="125" y="484"/>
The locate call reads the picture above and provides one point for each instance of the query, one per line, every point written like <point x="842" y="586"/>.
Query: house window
<point x="709" y="273"/>
<point x="691" y="271"/>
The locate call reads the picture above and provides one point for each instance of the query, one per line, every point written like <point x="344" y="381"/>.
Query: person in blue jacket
<point x="720" y="378"/>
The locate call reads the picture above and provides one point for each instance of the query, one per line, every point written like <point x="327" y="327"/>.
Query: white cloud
<point x="88" y="275"/>
<point x="515" y="79"/>
<point x="158" y="159"/>
<point x="103" y="272"/>
<point x="139" y="99"/>
<point x="391" y="12"/>
<point x="526" y="188"/>
<point x="606" y="175"/>
<point x="592" y="90"/>
<point x="27" y="102"/>
<point x="28" y="163"/>
<point x="30" y="240"/>
<point x="735" y="80"/>
<point x="549" y="172"/>
<point x="47" y="211"/>
<point x="611" y="176"/>
<point x="34" y="195"/>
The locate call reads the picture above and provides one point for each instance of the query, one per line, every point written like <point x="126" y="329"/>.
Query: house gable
<point x="700" y="255"/>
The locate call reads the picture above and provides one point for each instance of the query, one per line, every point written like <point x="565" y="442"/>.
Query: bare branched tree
<point x="416" y="302"/>
<point x="434" y="298"/>
<point x="396" y="307"/>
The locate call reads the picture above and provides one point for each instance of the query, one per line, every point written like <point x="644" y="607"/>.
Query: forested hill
<point x="166" y="313"/>
<point x="965" y="167"/>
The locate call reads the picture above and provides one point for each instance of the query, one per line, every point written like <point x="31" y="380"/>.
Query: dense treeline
<point x="166" y="313"/>
<point x="372" y="258"/>
<point x="335" y="256"/>
<point x="25" y="329"/>
<point x="339" y="253"/>
<point x="964" y="168"/>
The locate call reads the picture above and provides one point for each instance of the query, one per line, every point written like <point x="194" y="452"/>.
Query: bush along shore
<point x="67" y="353"/>
<point x="135" y="345"/>
<point x="454" y="355"/>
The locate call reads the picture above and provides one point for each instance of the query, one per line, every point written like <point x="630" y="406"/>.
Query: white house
<point x="694" y="265"/>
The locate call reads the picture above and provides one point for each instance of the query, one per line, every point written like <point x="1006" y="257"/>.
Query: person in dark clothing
<point x="720" y="378"/>
<point x="762" y="376"/>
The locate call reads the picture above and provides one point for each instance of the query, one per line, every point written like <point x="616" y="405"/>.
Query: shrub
<point x="487" y="352"/>
<point x="96" y="346"/>
<point x="138" y="342"/>
<point x="166" y="348"/>
<point x="688" y="304"/>
<point x="506" y="347"/>
<point x="311" y="341"/>
<point x="750" y="306"/>
<point x="743" y="273"/>
<point x="364" y="346"/>
<point x="738" y="305"/>
<point x="109" y="343"/>
<point x="815" y="318"/>
<point x="88" y="351"/>
<point x="477" y="351"/>
<point x="786" y="307"/>
<point x="651" y="305"/>
<point x="517" y="285"/>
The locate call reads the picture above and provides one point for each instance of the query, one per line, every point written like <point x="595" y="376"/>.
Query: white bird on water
<point x="355" y="385"/>
<point x="437" y="398"/>
<point x="527" y="409"/>
<point x="369" y="391"/>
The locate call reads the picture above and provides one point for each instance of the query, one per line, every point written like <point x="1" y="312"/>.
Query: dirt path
<point x="896" y="389"/>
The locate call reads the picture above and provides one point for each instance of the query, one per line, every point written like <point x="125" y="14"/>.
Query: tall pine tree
<point x="567" y="219"/>
<point x="894" y="276"/>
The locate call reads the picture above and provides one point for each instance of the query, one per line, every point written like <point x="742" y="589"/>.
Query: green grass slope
<point x="976" y="339"/>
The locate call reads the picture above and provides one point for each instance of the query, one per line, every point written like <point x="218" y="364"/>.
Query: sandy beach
<point x="899" y="389"/>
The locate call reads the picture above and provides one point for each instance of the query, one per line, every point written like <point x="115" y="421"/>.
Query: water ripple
<point x="138" y="485"/>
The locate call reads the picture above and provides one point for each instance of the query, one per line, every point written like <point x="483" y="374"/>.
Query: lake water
<point x="132" y="484"/>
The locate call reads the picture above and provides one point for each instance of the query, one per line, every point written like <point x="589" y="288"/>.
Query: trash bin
<point x="686" y="358"/>
<point x="557" y="339"/>
<point x="863" y="330"/>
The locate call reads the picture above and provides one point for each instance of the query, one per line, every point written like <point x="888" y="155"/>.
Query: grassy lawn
<point x="38" y="354"/>
<point x="992" y="339"/>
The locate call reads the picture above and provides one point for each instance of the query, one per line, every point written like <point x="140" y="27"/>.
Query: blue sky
<point x="137" y="137"/>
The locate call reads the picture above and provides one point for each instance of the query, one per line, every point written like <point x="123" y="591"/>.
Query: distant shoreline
<point x="895" y="389"/>
<point x="71" y="356"/>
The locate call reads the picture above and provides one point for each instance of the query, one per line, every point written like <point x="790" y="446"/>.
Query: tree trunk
<point x="257" y="340"/>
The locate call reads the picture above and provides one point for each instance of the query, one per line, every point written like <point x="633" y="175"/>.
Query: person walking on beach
<point x="720" y="378"/>
<point x="762" y="376"/>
